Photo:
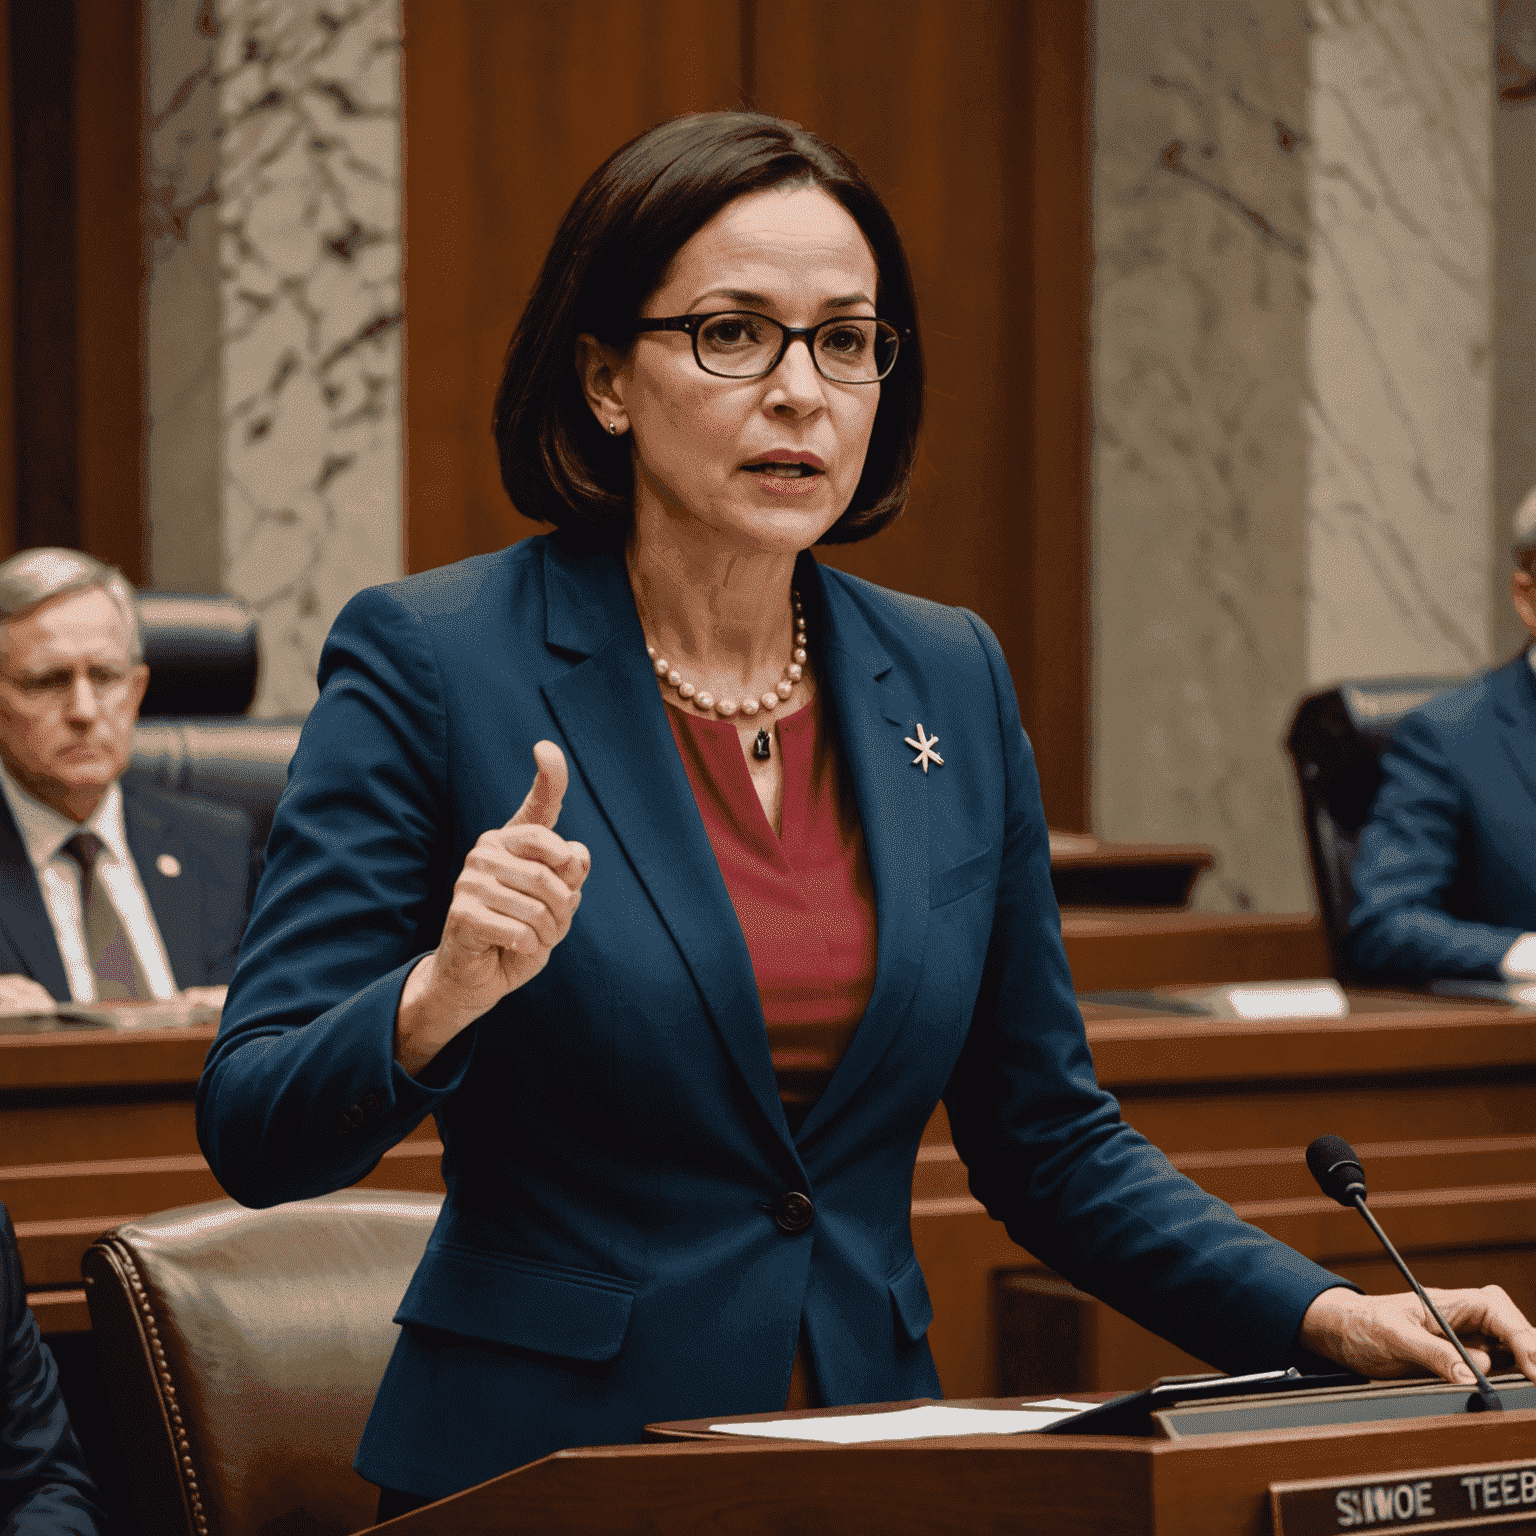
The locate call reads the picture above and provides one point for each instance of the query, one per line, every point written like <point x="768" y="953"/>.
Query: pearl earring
<point x="613" y="429"/>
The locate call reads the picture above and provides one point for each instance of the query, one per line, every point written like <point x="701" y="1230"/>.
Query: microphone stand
<point x="1485" y="1399"/>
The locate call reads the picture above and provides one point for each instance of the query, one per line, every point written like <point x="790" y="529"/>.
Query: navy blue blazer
<point x="200" y="911"/>
<point x="45" y="1488"/>
<point x="1445" y="873"/>
<point x="614" y="1141"/>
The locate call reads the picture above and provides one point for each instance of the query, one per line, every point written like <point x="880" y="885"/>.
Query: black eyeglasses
<point x="738" y="344"/>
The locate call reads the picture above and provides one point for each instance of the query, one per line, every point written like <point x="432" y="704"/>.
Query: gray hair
<point x="1522" y="527"/>
<point x="37" y="576"/>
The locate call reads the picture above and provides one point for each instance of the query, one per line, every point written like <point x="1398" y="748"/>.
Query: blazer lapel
<point x="875" y="710"/>
<point x="615" y="726"/>
<point x="174" y="899"/>
<point x="1514" y="690"/>
<point x="23" y="917"/>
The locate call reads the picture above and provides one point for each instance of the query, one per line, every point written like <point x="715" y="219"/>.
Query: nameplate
<point x="1436" y="1499"/>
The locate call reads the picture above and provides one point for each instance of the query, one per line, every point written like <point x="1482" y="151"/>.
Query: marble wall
<point x="1514" y="264"/>
<point x="1296" y="392"/>
<point x="284" y="132"/>
<point x="1198" y="474"/>
<point x="182" y="296"/>
<point x="1399" y="338"/>
<point x="1314" y="361"/>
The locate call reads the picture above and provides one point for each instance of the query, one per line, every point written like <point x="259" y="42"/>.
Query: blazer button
<point x="369" y="1103"/>
<point x="793" y="1212"/>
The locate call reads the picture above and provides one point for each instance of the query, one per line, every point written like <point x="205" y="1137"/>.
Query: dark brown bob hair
<point x="637" y="210"/>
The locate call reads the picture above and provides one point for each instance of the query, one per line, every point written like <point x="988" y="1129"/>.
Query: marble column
<point x="1300" y="235"/>
<point x="1514" y="264"/>
<point x="182" y="296"/>
<point x="1199" y="366"/>
<point x="277" y="130"/>
<point x="1400" y="336"/>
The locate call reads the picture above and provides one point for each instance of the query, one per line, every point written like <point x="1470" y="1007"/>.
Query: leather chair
<point x="241" y="1351"/>
<point x="1335" y="742"/>
<point x="201" y="653"/>
<point x="236" y="761"/>
<point x="193" y="734"/>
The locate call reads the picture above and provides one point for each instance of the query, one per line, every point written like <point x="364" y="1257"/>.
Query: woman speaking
<point x="781" y="883"/>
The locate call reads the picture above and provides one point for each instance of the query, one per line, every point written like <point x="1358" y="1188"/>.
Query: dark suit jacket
<point x="1445" y="873"/>
<point x="45" y="1489"/>
<point x="200" y="911"/>
<point x="614" y="1141"/>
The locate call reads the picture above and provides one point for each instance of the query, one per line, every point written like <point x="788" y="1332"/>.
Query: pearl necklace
<point x="726" y="708"/>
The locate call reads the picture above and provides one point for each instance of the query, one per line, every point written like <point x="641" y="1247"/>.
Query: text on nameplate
<point x="1435" y="1499"/>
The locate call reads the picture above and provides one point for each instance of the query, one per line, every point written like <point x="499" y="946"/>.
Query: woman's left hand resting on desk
<point x="512" y="903"/>
<point x="20" y="995"/>
<point x="1386" y="1336"/>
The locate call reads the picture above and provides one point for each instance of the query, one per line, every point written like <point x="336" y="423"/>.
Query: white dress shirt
<point x="1519" y="962"/>
<point x="44" y="832"/>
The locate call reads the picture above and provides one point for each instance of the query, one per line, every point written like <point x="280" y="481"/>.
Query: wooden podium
<point x="1056" y="1485"/>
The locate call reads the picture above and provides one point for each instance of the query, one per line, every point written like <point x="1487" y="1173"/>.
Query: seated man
<point x="45" y="1489"/>
<point x="1445" y="875"/>
<point x="107" y="890"/>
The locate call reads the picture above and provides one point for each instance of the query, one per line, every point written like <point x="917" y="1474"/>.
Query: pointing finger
<point x="542" y="805"/>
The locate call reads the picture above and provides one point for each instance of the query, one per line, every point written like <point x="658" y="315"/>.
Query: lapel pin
<point x="170" y="866"/>
<point x="924" y="746"/>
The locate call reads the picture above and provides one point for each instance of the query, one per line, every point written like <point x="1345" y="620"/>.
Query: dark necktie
<point x="106" y="941"/>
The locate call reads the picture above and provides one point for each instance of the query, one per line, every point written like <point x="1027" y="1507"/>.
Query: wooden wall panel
<point x="508" y="110"/>
<point x="71" y="348"/>
<point x="1054" y="675"/>
<point x="973" y="123"/>
<point x="975" y="133"/>
<point x="42" y="96"/>
<point x="7" y="307"/>
<point x="109" y="352"/>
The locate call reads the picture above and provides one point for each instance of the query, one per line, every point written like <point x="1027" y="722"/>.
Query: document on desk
<point x="162" y="1013"/>
<point x="192" y="1005"/>
<point x="922" y="1423"/>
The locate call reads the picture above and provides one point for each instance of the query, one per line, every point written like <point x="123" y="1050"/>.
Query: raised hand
<point x="512" y="904"/>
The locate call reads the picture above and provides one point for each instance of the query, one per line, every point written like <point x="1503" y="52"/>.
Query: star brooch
<point x="924" y="746"/>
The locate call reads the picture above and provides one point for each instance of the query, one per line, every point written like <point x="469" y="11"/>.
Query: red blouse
<point x="804" y="898"/>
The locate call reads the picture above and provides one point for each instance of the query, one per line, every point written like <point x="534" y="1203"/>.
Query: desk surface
<point x="1087" y="871"/>
<point x="1069" y="1485"/>
<point x="1131" y="1043"/>
<point x="1386" y="1031"/>
<point x="94" y="1056"/>
<point x="700" y="1429"/>
<point x="1082" y="850"/>
<point x="96" y="1127"/>
<point x="1156" y="949"/>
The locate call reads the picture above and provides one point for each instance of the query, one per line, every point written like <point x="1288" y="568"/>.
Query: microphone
<point x="1333" y="1164"/>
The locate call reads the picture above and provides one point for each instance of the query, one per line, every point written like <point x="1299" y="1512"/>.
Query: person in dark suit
<point x="108" y="890"/>
<point x="1445" y="872"/>
<point x="681" y="1051"/>
<point x="45" y="1487"/>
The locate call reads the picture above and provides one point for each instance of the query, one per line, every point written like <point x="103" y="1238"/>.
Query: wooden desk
<point x="1435" y="1096"/>
<point x="97" y="1127"/>
<point x="1108" y="950"/>
<point x="978" y="1485"/>
<point x="1087" y="871"/>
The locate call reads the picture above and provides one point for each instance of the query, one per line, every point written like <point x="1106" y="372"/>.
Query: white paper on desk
<point x="913" y="1423"/>
<point x="166" y="1013"/>
<point x="1322" y="999"/>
